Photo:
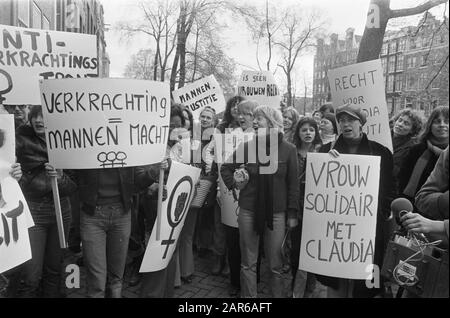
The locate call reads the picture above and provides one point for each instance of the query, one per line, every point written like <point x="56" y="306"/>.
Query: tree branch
<point x="416" y="10"/>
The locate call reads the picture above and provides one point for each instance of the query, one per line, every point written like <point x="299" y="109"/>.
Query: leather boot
<point x="217" y="265"/>
<point x="225" y="266"/>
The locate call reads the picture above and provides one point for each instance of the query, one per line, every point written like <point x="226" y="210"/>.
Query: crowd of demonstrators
<point x="266" y="201"/>
<point x="270" y="204"/>
<point x="422" y="157"/>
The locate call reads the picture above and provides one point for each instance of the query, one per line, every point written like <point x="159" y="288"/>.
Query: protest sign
<point x="15" y="217"/>
<point x="362" y="84"/>
<point x="27" y="55"/>
<point x="340" y="215"/>
<point x="180" y="191"/>
<point x="199" y="94"/>
<point x="225" y="145"/>
<point x="105" y="123"/>
<point x="260" y="87"/>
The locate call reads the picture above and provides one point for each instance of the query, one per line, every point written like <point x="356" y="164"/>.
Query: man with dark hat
<point x="352" y="140"/>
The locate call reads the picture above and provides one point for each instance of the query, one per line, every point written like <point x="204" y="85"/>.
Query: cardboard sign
<point x="27" y="55"/>
<point x="15" y="217"/>
<point x="259" y="87"/>
<point x="180" y="191"/>
<point x="105" y="123"/>
<point x="225" y="145"/>
<point x="199" y="94"/>
<point x="362" y="84"/>
<point x="340" y="215"/>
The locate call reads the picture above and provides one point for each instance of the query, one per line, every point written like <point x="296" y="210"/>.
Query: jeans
<point x="186" y="255"/>
<point x="249" y="242"/>
<point x="105" y="236"/>
<point x="45" y="266"/>
<point x="219" y="241"/>
<point x="234" y="255"/>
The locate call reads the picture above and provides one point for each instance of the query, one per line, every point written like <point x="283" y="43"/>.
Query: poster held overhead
<point x="362" y="84"/>
<point x="199" y="94"/>
<point x="260" y="87"/>
<point x="33" y="54"/>
<point x="105" y="123"/>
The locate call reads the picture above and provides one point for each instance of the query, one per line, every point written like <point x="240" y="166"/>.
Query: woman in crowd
<point x="307" y="140"/>
<point x="317" y="115"/>
<point x="352" y="140"/>
<point x="407" y="124"/>
<point x="186" y="255"/>
<point x="328" y="128"/>
<point x="229" y="123"/>
<point x="290" y="120"/>
<point x="326" y="108"/>
<point x="188" y="119"/>
<point x="421" y="158"/>
<point x="267" y="199"/>
<point x="47" y="255"/>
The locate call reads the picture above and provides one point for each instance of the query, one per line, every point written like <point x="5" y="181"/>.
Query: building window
<point x="411" y="62"/>
<point x="424" y="60"/>
<point x="411" y="83"/>
<point x="399" y="62"/>
<point x="45" y="23"/>
<point x="423" y="81"/>
<point x="412" y="43"/>
<point x="393" y="47"/>
<point x="401" y="44"/>
<point x="37" y="17"/>
<point x="384" y="64"/>
<point x="384" y="49"/>
<point x="23" y="13"/>
<point x="424" y="41"/>
<point x="398" y="83"/>
<point x="392" y="64"/>
<point x="390" y="83"/>
<point x="436" y="82"/>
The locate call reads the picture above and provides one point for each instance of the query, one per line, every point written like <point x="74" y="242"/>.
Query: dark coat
<point x="285" y="183"/>
<point x="401" y="149"/>
<point x="31" y="152"/>
<point x="131" y="181"/>
<point x="386" y="194"/>
<point x="407" y="169"/>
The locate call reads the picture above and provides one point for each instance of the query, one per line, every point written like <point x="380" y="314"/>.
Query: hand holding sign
<point x="16" y="171"/>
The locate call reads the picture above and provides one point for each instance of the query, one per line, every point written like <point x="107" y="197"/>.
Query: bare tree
<point x="377" y="19"/>
<point x="159" y="23"/>
<point x="141" y="65"/>
<point x="297" y="35"/>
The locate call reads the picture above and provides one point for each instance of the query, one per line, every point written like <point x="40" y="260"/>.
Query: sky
<point x="339" y="16"/>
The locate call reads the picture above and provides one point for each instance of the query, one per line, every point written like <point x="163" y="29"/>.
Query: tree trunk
<point x="289" y="89"/>
<point x="372" y="39"/>
<point x="155" y="63"/>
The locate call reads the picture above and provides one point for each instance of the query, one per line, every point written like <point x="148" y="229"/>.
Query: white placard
<point x="105" y="123"/>
<point x="362" y="84"/>
<point x="340" y="215"/>
<point x="27" y="55"/>
<point x="180" y="191"/>
<point x="259" y="87"/>
<point x="199" y="94"/>
<point x="225" y="145"/>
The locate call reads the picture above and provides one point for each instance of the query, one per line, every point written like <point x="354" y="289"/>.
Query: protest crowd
<point x="105" y="218"/>
<point x="112" y="170"/>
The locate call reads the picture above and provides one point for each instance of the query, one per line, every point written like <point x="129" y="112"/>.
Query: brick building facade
<point x="81" y="16"/>
<point x="414" y="59"/>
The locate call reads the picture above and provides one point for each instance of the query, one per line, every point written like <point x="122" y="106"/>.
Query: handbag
<point x="201" y="192"/>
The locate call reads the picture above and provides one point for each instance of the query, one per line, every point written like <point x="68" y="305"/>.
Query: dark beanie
<point x="331" y="118"/>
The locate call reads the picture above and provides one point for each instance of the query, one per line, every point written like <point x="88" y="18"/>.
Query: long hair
<point x="273" y="116"/>
<point x="232" y="102"/>
<point x="426" y="132"/>
<point x="416" y="120"/>
<point x="292" y="113"/>
<point x="35" y="111"/>
<point x="177" y="110"/>
<point x="191" y="118"/>
<point x="307" y="120"/>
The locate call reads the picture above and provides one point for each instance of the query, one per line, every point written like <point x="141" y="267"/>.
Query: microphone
<point x="399" y="207"/>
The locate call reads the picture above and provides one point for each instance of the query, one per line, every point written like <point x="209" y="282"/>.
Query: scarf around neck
<point x="265" y="190"/>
